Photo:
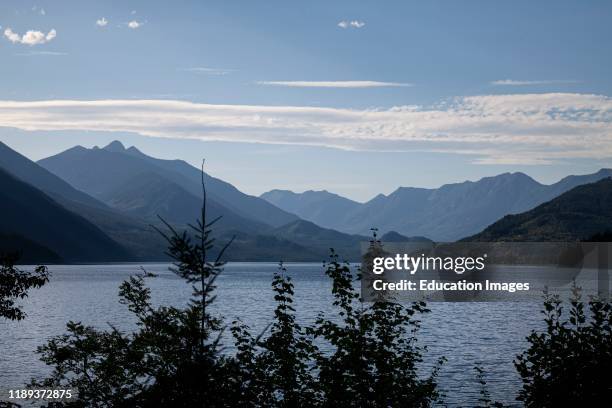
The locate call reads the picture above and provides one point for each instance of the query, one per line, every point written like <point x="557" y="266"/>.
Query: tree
<point x="15" y="284"/>
<point x="569" y="364"/>
<point x="172" y="359"/>
<point x="277" y="370"/>
<point x="375" y="355"/>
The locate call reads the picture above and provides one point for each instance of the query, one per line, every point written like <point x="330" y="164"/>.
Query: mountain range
<point x="103" y="204"/>
<point x="123" y="192"/>
<point x="115" y="175"/>
<point x="577" y="215"/>
<point x="135" y="235"/>
<point x="447" y="213"/>
<point x="144" y="187"/>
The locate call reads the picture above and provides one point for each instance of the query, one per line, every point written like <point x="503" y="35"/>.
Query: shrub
<point x="175" y="359"/>
<point x="15" y="284"/>
<point x="569" y="363"/>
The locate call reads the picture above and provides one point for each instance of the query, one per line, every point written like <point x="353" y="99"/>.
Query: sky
<point x="355" y="97"/>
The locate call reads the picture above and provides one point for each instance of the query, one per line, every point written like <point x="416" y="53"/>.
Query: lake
<point x="487" y="334"/>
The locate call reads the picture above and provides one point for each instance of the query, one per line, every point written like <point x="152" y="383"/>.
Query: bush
<point x="569" y="364"/>
<point x="174" y="358"/>
<point x="15" y="283"/>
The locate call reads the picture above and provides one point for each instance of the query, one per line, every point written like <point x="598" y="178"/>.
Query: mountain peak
<point x="604" y="172"/>
<point x="508" y="176"/>
<point x="134" y="151"/>
<point x="115" y="146"/>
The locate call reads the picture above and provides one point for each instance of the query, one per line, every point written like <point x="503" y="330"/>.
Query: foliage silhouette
<point x="569" y="364"/>
<point x="484" y="400"/>
<point x="175" y="358"/>
<point x="15" y="283"/>
<point x="375" y="356"/>
<point x="360" y="355"/>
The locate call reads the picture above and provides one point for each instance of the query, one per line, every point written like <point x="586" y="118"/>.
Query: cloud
<point x="40" y="11"/>
<point x="513" y="82"/>
<point x="334" y="84"/>
<point x="351" y="24"/>
<point x="134" y="24"/>
<point x="491" y="129"/>
<point x="31" y="37"/>
<point x="35" y="53"/>
<point x="12" y="36"/>
<point x="209" y="71"/>
<point x="102" y="22"/>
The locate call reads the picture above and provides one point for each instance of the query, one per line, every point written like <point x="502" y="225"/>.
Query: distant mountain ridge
<point x="125" y="191"/>
<point x="448" y="213"/>
<point x="393" y="236"/>
<point x="28" y="171"/>
<point x="578" y="214"/>
<point x="104" y="172"/>
<point x="320" y="207"/>
<point x="49" y="229"/>
<point x="143" y="187"/>
<point x="132" y="233"/>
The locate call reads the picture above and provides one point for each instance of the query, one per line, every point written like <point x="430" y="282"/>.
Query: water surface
<point x="488" y="334"/>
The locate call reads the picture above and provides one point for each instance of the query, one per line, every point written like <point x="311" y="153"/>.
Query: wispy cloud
<point x="134" y="24"/>
<point x="334" y="84"/>
<point x="35" y="53"/>
<point x="514" y="82"/>
<point x="102" y="22"/>
<point x="31" y="37"/>
<point x="351" y="24"/>
<point x="208" y="70"/>
<point x="39" y="10"/>
<point x="519" y="128"/>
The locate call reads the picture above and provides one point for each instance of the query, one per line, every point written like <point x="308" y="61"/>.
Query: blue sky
<point x="354" y="97"/>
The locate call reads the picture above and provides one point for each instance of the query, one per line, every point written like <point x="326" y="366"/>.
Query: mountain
<point x="578" y="214"/>
<point x="320" y="207"/>
<point x="29" y="252"/>
<point x="134" y="234"/>
<point x="33" y="215"/>
<point x="140" y="187"/>
<point x="100" y="172"/>
<point x="253" y="247"/>
<point x="569" y="182"/>
<point x="149" y="195"/>
<point x="447" y="213"/>
<point x="224" y="193"/>
<point x="30" y="172"/>
<point x="320" y="240"/>
<point x="393" y="236"/>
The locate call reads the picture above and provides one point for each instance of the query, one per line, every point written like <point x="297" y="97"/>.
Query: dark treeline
<point x="176" y="358"/>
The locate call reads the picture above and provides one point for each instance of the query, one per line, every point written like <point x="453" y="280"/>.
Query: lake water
<point x="487" y="334"/>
